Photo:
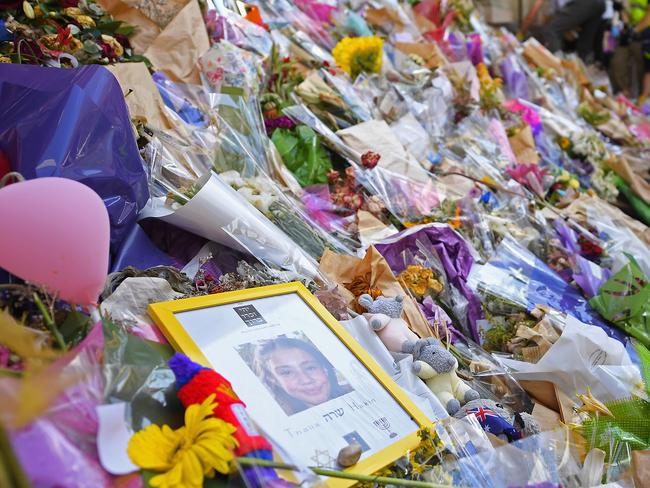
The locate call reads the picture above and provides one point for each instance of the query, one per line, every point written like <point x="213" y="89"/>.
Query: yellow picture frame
<point x="164" y="315"/>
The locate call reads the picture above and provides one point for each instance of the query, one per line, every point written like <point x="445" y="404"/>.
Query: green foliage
<point x="303" y="154"/>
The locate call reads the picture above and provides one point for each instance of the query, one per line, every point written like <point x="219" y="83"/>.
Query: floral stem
<point x="381" y="480"/>
<point x="50" y="323"/>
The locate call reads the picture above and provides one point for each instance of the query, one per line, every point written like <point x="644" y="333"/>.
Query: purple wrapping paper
<point x="59" y="448"/>
<point x="74" y="123"/>
<point x="453" y="253"/>
<point x="475" y="49"/>
<point x="587" y="280"/>
<point x="51" y="459"/>
<point x="567" y="237"/>
<point x="515" y="81"/>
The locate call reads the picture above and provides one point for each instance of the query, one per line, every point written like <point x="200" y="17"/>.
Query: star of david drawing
<point x="322" y="459"/>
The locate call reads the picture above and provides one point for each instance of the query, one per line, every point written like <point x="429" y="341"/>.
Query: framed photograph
<point x="305" y="381"/>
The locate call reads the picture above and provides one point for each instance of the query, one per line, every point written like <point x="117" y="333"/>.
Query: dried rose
<point x="333" y="176"/>
<point x="370" y="159"/>
<point x="29" y="51"/>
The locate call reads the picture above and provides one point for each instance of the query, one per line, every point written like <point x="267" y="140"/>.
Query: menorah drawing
<point x="382" y="423"/>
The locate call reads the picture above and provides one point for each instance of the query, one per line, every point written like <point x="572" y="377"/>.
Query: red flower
<point x="30" y="51"/>
<point x="63" y="36"/>
<point x="370" y="159"/>
<point x="122" y="39"/>
<point x="107" y="51"/>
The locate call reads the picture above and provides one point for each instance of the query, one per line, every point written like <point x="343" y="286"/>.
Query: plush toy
<point x="437" y="367"/>
<point x="497" y="420"/>
<point x="385" y="317"/>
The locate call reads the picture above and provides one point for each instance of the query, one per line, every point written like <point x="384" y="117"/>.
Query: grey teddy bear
<point x="437" y="367"/>
<point x="384" y="315"/>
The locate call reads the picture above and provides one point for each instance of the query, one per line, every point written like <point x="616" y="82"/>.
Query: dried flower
<point x="592" y="405"/>
<point x="360" y="285"/>
<point x="333" y="176"/>
<point x="369" y="159"/>
<point x="79" y="17"/>
<point x="420" y="280"/>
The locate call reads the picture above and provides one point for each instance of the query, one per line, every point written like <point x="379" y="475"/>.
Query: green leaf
<point x="74" y="328"/>
<point x="109" y="27"/>
<point x="125" y="30"/>
<point x="49" y="29"/>
<point x="303" y="154"/>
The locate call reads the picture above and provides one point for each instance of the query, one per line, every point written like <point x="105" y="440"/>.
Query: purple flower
<point x="282" y="122"/>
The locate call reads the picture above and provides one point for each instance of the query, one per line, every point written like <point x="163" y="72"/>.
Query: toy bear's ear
<point x="365" y="301"/>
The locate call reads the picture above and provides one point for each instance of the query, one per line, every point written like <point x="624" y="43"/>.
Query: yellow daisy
<point x="186" y="455"/>
<point x="356" y="55"/>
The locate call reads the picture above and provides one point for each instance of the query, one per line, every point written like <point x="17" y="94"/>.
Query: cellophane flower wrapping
<point x="93" y="143"/>
<point x="515" y="275"/>
<point x="455" y="257"/>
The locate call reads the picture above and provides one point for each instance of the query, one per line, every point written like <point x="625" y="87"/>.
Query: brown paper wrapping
<point x="641" y="469"/>
<point x="428" y="51"/>
<point x="581" y="207"/>
<point x="177" y="49"/>
<point x="344" y="269"/>
<point x="616" y="129"/>
<point x="377" y="135"/>
<point x="146" y="29"/>
<point x="638" y="185"/>
<point x="144" y="101"/>
<point x="546" y="418"/>
<point x="543" y="335"/>
<point x="541" y="57"/>
<point x="370" y="228"/>
<point x="523" y="146"/>
<point x="576" y="71"/>
<point x="383" y="17"/>
<point x="173" y="49"/>
<point x="546" y="393"/>
<point x="423" y="24"/>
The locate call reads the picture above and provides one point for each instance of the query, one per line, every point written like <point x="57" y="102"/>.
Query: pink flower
<point x="528" y="175"/>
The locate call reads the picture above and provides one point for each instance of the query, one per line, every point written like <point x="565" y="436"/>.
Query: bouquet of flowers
<point x="62" y="34"/>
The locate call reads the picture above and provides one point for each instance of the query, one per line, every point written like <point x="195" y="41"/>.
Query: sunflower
<point x="186" y="455"/>
<point x="356" y="55"/>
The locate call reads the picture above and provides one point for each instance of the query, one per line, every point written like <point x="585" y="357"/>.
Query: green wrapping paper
<point x="624" y="300"/>
<point x="629" y="424"/>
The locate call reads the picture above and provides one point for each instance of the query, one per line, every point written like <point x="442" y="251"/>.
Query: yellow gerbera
<point x="186" y="455"/>
<point x="356" y="55"/>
